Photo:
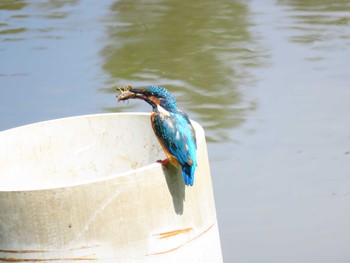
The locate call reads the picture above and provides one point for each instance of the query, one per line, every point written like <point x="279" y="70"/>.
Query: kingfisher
<point x="171" y="126"/>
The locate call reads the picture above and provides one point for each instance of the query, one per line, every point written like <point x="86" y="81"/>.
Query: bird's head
<point x="154" y="95"/>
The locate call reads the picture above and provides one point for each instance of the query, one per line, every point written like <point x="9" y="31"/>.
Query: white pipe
<point x="87" y="188"/>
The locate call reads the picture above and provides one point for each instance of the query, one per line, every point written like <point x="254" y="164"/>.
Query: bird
<point x="171" y="126"/>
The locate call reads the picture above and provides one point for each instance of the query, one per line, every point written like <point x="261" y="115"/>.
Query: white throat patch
<point x="163" y="111"/>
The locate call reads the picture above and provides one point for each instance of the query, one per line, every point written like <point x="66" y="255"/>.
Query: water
<point x="268" y="80"/>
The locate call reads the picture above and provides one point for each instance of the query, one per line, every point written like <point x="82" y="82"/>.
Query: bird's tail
<point x="188" y="174"/>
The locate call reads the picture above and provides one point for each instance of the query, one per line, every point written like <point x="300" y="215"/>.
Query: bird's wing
<point x="177" y="135"/>
<point x="189" y="126"/>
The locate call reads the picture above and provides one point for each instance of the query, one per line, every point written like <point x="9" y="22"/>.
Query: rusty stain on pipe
<point x="13" y="259"/>
<point x="174" y="232"/>
<point x="46" y="259"/>
<point x="175" y="248"/>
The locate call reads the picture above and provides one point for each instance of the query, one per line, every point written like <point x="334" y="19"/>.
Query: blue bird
<point x="172" y="128"/>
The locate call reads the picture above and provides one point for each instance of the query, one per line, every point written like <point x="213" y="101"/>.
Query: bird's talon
<point x="164" y="162"/>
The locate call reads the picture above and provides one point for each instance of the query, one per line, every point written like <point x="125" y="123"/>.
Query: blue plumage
<point x="172" y="128"/>
<point x="177" y="136"/>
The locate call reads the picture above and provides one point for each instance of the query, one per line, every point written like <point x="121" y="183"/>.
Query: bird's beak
<point x="138" y="92"/>
<point x="141" y="94"/>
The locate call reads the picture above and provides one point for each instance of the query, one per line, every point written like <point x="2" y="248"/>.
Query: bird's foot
<point x="164" y="162"/>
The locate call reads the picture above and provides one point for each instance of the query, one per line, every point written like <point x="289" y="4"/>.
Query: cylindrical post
<point x="87" y="188"/>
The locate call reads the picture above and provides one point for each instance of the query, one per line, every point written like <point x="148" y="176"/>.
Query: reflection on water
<point x="12" y="4"/>
<point x="277" y="186"/>
<point x="323" y="26"/>
<point x="204" y="51"/>
<point x="6" y="28"/>
<point x="49" y="60"/>
<point x="22" y="24"/>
